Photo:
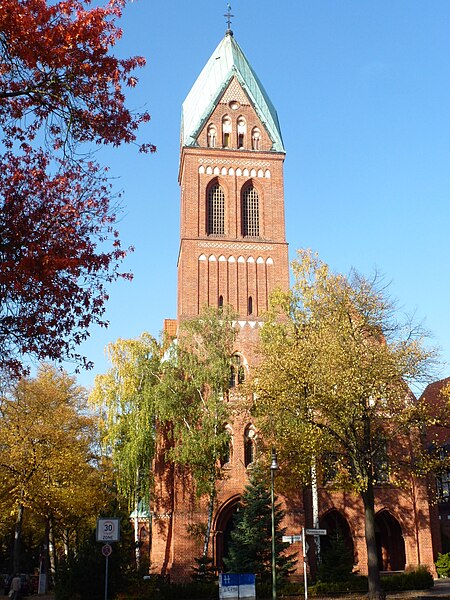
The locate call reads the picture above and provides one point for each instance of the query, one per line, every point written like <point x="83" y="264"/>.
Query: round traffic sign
<point x="106" y="550"/>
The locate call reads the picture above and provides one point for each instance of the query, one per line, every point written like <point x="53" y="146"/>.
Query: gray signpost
<point x="108" y="530"/>
<point x="305" y="550"/>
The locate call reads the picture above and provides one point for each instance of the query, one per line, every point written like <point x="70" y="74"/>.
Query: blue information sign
<point x="237" y="585"/>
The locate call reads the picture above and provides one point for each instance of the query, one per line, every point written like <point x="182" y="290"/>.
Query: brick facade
<point x="240" y="270"/>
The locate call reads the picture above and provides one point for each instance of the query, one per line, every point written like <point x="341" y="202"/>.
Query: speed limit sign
<point x="108" y="530"/>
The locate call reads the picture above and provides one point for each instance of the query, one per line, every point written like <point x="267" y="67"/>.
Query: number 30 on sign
<point x="108" y="530"/>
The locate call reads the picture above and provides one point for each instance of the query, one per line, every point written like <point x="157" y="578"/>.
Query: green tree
<point x="337" y="559"/>
<point x="195" y="378"/>
<point x="250" y="548"/>
<point x="333" y="378"/>
<point x="125" y="396"/>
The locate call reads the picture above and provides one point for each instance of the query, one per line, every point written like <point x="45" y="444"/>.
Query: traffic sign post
<point x="106" y="551"/>
<point x="108" y="530"/>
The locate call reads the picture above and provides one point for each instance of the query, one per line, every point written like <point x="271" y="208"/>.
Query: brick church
<point x="233" y="251"/>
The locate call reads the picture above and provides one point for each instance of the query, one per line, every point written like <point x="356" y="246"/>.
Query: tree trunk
<point x="17" y="538"/>
<point x="212" y="498"/>
<point x="137" y="550"/>
<point x="374" y="580"/>
<point x="43" y="567"/>
<point x="53" y="559"/>
<point x="66" y="542"/>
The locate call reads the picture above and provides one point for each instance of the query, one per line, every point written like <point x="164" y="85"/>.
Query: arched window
<point x="216" y="211"/>
<point x="226" y="131"/>
<point x="220" y="301"/>
<point x="256" y="138"/>
<point x="212" y="136"/>
<point x="241" y="131"/>
<point x="250" y="212"/>
<point x="250" y="305"/>
<point x="249" y="445"/>
<point x="237" y="371"/>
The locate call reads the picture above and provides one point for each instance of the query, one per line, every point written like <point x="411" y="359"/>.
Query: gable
<point x="227" y="65"/>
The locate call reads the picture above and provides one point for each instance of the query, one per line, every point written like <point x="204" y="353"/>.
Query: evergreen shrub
<point x="443" y="564"/>
<point x="356" y="583"/>
<point x="337" y="560"/>
<point x="414" y="579"/>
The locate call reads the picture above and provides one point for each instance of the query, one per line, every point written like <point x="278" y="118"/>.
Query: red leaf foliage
<point x="61" y="90"/>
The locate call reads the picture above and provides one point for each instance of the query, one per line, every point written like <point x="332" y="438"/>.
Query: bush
<point x="357" y="583"/>
<point x="415" y="579"/>
<point x="443" y="565"/>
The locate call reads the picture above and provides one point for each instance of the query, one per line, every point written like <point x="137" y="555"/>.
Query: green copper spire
<point x="226" y="62"/>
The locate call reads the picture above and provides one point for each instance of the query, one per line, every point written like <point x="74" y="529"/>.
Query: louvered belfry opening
<point x="250" y="212"/>
<point x="216" y="211"/>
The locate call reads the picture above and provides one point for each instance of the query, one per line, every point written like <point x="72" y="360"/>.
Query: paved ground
<point x="441" y="589"/>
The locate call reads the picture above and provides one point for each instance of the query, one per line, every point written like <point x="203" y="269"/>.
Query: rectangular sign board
<point x="316" y="531"/>
<point x="234" y="585"/>
<point x="291" y="539"/>
<point x="108" y="530"/>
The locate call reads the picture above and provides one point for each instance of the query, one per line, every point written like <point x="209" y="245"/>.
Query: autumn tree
<point x="46" y="459"/>
<point x="125" y="396"/>
<point x="195" y="378"/>
<point x="62" y="93"/>
<point x="335" y="364"/>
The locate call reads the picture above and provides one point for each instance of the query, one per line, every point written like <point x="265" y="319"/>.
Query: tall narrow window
<point x="250" y="212"/>
<point x="216" y="211"/>
<point x="250" y="305"/>
<point x="212" y="135"/>
<point x="237" y="371"/>
<point x="226" y="131"/>
<point x="241" y="131"/>
<point x="249" y="445"/>
<point x="228" y="455"/>
<point x="256" y="138"/>
<point x="220" y="301"/>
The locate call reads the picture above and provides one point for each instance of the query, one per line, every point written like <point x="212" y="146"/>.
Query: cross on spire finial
<point x="228" y="16"/>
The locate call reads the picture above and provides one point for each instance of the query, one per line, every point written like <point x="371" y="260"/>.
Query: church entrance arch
<point x="223" y="526"/>
<point x="337" y="526"/>
<point x="390" y="542"/>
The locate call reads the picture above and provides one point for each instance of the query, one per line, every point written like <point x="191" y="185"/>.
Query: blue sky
<point x="362" y="91"/>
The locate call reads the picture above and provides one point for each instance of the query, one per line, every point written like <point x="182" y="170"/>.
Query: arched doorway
<point x="390" y="542"/>
<point x="223" y="527"/>
<point x="336" y="525"/>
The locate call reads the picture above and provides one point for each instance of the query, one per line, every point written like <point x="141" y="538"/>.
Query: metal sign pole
<point x="106" y="578"/>
<point x="305" y="574"/>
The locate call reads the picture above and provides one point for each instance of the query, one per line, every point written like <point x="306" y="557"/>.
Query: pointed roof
<point x="227" y="61"/>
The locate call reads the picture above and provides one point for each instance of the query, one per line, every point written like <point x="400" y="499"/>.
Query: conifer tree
<point x="337" y="559"/>
<point x="250" y="548"/>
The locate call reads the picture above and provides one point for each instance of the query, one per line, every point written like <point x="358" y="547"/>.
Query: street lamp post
<point x="273" y="468"/>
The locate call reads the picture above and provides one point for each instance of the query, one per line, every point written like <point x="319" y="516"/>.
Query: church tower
<point x="232" y="251"/>
<point x="232" y="247"/>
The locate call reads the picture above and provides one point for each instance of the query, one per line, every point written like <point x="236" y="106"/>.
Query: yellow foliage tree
<point x="46" y="454"/>
<point x="334" y="374"/>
